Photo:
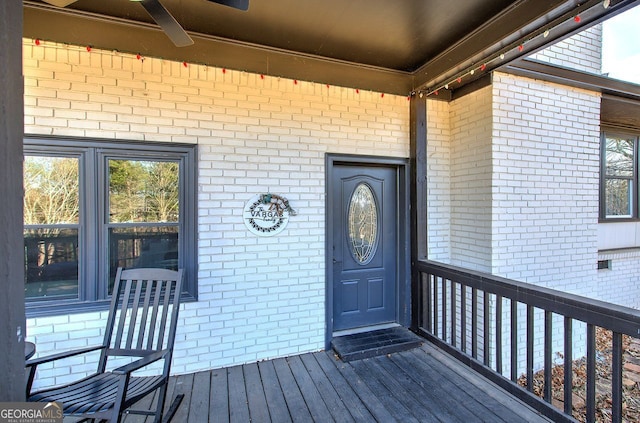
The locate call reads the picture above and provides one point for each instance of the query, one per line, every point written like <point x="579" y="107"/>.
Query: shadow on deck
<point x="420" y="385"/>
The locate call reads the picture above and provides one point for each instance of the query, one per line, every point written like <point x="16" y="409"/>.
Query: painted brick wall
<point x="258" y="297"/>
<point x="620" y="283"/>
<point x="582" y="51"/>
<point x="470" y="174"/>
<point x="545" y="184"/>
<point x="438" y="181"/>
<point x="524" y="164"/>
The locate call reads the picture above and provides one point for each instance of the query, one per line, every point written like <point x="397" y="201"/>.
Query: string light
<point x="138" y="56"/>
<point x="576" y="18"/>
<point x="520" y="47"/>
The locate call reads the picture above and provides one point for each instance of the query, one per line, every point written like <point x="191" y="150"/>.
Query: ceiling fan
<point x="164" y="19"/>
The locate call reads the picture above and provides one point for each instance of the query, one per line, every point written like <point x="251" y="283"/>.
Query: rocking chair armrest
<point x="58" y="356"/>
<point x="140" y="363"/>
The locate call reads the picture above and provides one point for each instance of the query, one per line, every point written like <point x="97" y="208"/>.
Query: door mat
<point x="371" y="344"/>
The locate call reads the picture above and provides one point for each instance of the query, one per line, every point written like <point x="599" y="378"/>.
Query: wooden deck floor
<point x="421" y="385"/>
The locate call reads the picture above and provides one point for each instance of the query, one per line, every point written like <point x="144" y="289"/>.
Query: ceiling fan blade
<point x="60" y="3"/>
<point x="167" y="22"/>
<point x="236" y="4"/>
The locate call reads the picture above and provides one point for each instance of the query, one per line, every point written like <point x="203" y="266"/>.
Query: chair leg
<point x="173" y="408"/>
<point x="162" y="393"/>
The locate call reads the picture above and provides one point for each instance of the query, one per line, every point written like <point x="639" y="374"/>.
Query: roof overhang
<point x="392" y="47"/>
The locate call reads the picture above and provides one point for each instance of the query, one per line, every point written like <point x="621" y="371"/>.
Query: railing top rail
<point x="606" y="315"/>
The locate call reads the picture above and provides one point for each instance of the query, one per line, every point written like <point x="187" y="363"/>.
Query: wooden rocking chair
<point x="142" y="323"/>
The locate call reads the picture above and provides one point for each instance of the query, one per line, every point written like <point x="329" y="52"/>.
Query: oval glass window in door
<point x="362" y="221"/>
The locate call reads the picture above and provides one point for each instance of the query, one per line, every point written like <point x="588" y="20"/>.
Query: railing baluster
<point x="616" y="378"/>
<point x="426" y="294"/>
<point x="474" y="323"/>
<point x="454" y="306"/>
<point x="568" y="365"/>
<point x="591" y="373"/>
<point x="435" y="305"/>
<point x="444" y="309"/>
<point x="547" y="354"/>
<point x="514" y="340"/>
<point x="440" y="285"/>
<point x="487" y="335"/>
<point x="463" y="318"/>
<point x="499" y="334"/>
<point x="530" y="347"/>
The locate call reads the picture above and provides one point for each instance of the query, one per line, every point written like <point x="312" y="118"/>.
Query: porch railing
<point x="505" y="330"/>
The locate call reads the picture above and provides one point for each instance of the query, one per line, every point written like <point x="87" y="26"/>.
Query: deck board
<point x="435" y="407"/>
<point x="238" y="404"/>
<point x="258" y="409"/>
<point x="295" y="401"/>
<point x="199" y="406"/>
<point x="421" y="385"/>
<point x="218" y="397"/>
<point x="313" y="399"/>
<point x="331" y="398"/>
<point x="276" y="403"/>
<point x="417" y="372"/>
<point x="356" y="407"/>
<point x="483" y="392"/>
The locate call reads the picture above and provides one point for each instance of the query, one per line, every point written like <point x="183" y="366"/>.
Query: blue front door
<point x="365" y="245"/>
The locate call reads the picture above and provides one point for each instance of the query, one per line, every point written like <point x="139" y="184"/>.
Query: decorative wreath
<point x="277" y="202"/>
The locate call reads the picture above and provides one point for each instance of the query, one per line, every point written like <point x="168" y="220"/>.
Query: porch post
<point x="12" y="328"/>
<point x="418" y="161"/>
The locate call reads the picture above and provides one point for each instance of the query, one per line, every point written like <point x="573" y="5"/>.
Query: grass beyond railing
<point x="506" y="329"/>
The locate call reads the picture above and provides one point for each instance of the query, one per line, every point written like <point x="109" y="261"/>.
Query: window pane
<point x="51" y="263"/>
<point x="142" y="247"/>
<point x="618" y="197"/>
<point x="619" y="157"/>
<point x="363" y="224"/>
<point x="143" y="191"/>
<point x="51" y="190"/>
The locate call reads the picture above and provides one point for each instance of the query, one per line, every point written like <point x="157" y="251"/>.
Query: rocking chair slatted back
<point x="142" y="324"/>
<point x="145" y="299"/>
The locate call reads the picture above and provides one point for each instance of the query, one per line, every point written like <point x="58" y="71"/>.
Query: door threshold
<point x="363" y="329"/>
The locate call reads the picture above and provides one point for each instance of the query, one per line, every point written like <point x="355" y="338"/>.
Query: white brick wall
<point x="258" y="297"/>
<point x="471" y="168"/>
<point x="621" y="283"/>
<point x="523" y="175"/>
<point x="438" y="181"/>
<point x="582" y="51"/>
<point x="545" y="184"/>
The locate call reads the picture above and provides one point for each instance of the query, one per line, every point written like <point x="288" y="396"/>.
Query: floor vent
<point x="374" y="343"/>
